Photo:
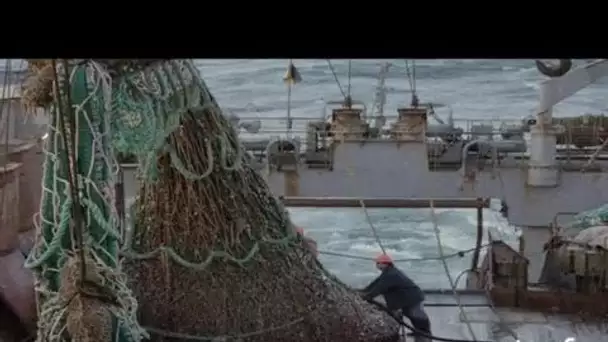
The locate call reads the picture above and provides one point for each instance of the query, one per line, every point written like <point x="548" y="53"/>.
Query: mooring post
<point x="480" y="206"/>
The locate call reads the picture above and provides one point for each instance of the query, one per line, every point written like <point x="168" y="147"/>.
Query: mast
<point x="411" y="76"/>
<point x="292" y="77"/>
<point x="380" y="96"/>
<point x="348" y="100"/>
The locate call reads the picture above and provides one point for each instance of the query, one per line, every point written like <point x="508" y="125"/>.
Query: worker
<point x="402" y="296"/>
<point x="309" y="243"/>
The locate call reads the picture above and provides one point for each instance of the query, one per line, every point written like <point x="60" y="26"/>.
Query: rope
<point x="594" y="156"/>
<point x="331" y="67"/>
<point x="454" y="283"/>
<point x="491" y="306"/>
<point x="501" y="322"/>
<point x="222" y="338"/>
<point x="441" y="257"/>
<point x="486" y="288"/>
<point x="63" y="190"/>
<point x="128" y="252"/>
<point x="422" y="333"/>
<point x="416" y="331"/>
<point x="447" y="271"/>
<point x="69" y="143"/>
<point x="371" y="225"/>
<point x="360" y="257"/>
<point x="436" y="258"/>
<point x="382" y="307"/>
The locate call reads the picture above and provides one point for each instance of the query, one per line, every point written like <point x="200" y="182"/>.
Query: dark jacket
<point x="398" y="290"/>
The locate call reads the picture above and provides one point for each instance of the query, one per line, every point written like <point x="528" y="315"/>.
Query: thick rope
<point x="76" y="167"/>
<point x="447" y="271"/>
<point x="235" y="337"/>
<point x="459" y="254"/>
<point x="371" y="225"/>
<point x="333" y="72"/>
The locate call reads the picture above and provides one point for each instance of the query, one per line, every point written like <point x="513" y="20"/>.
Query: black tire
<point x="562" y="68"/>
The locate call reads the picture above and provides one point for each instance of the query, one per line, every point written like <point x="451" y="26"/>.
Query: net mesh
<point x="211" y="255"/>
<point x="591" y="218"/>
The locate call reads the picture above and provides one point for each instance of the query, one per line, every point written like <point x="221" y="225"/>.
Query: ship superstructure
<point x="537" y="166"/>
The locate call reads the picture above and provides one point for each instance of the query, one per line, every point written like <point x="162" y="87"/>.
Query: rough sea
<point x="474" y="89"/>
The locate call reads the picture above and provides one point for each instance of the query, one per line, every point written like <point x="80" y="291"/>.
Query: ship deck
<point x="494" y="325"/>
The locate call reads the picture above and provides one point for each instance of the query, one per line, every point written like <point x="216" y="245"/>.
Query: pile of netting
<point x="211" y="255"/>
<point x="591" y="218"/>
<point x="588" y="229"/>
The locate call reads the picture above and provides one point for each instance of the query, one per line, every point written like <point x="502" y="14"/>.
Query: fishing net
<point x="588" y="228"/>
<point x="90" y="302"/>
<point x="212" y="254"/>
<point x="595" y="217"/>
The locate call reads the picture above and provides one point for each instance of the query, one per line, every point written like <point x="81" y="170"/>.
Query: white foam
<point x="373" y="249"/>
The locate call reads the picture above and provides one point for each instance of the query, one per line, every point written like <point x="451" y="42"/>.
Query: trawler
<point x="352" y="156"/>
<point x="542" y="170"/>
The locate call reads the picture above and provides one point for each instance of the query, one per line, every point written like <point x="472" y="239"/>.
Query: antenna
<point x="411" y="77"/>
<point x="380" y="97"/>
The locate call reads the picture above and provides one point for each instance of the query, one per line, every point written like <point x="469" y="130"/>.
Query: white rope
<point x="447" y="271"/>
<point x="378" y="241"/>
<point x="331" y="67"/>
<point x="54" y="309"/>
<point x="236" y="337"/>
<point x="453" y="283"/>
<point x="369" y="221"/>
<point x="594" y="156"/>
<point x="442" y="257"/>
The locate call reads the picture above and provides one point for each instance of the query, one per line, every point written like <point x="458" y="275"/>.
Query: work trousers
<point x="420" y="321"/>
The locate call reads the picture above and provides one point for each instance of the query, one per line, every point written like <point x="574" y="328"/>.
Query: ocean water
<point x="474" y="89"/>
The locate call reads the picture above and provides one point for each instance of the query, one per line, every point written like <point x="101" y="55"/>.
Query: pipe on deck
<point x="352" y="202"/>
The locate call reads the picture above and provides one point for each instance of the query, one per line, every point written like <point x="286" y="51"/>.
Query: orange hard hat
<point x="384" y="259"/>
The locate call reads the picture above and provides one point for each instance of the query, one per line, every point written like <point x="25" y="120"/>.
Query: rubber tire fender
<point x="562" y="68"/>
